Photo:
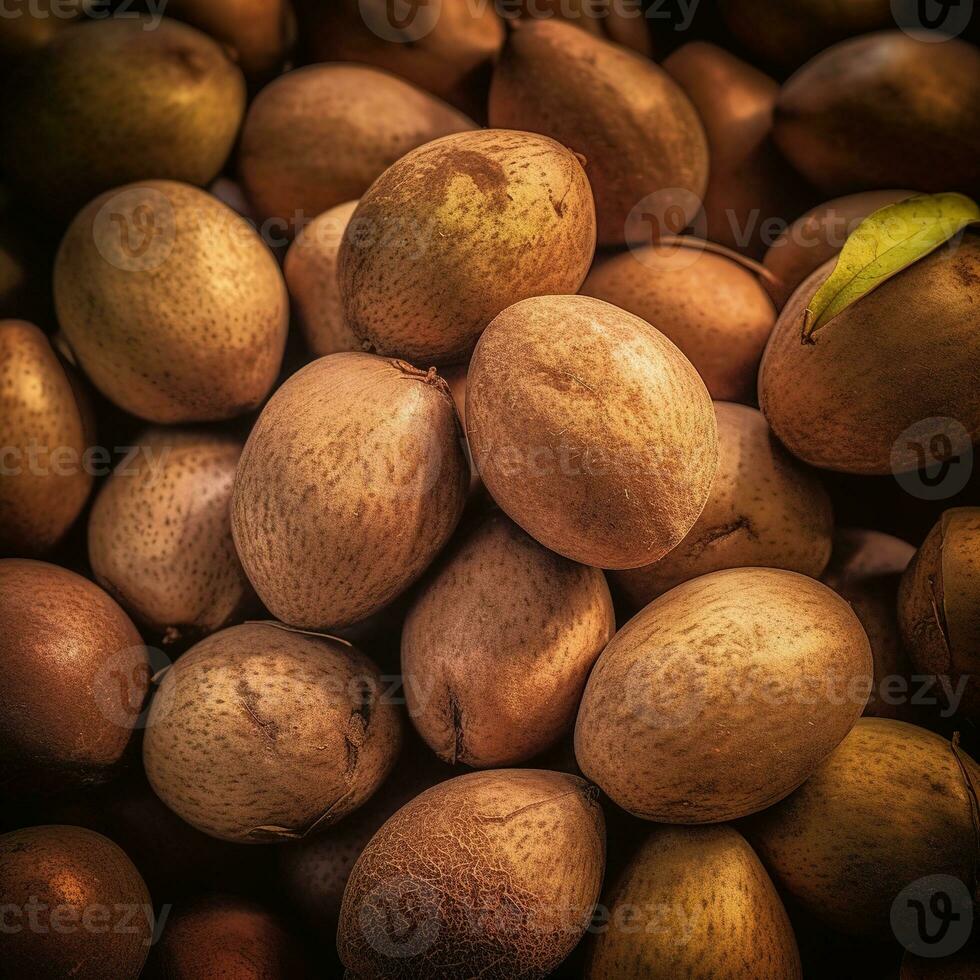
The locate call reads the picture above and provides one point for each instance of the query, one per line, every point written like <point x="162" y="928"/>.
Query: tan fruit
<point x="503" y="867"/>
<point x="110" y="101"/>
<point x="714" y="309"/>
<point x="497" y="647"/>
<point x="847" y="400"/>
<point x="457" y="231"/>
<point x="764" y="510"/>
<point x="890" y="805"/>
<point x="45" y="479"/>
<point x="351" y="482"/>
<point x="263" y="733"/>
<point x="722" y="696"/>
<point x="641" y="138"/>
<point x="693" y="902"/>
<point x="177" y="311"/>
<point x="320" y="135"/>
<point x="159" y="535"/>
<point x="609" y="19"/>
<point x="566" y="422"/>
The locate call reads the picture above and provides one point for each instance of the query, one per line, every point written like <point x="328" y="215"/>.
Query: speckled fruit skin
<point x="321" y="135"/>
<point x="890" y="805"/>
<point x="496" y="870"/>
<point x="899" y="355"/>
<point x="497" y="647"/>
<point x="45" y="483"/>
<point x="195" y="337"/>
<point x="159" y="534"/>
<point x="110" y="101"/>
<point x="764" y="510"/>
<point x="351" y="482"/>
<point x="939" y="605"/>
<point x="642" y="136"/>
<point x="722" y="696"/>
<point x="694" y="902"/>
<point x="74" y="677"/>
<point x="260" y="733"/>
<point x="92" y="910"/>
<point x="590" y="429"/>
<point x="712" y="308"/>
<point x="458" y="230"/>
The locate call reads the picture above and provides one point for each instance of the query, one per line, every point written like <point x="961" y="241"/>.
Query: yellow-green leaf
<point x="887" y="241"/>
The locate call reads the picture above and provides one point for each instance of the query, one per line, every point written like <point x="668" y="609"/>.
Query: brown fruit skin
<point x="498" y="646"/>
<point x="764" y="510"/>
<point x="195" y="336"/>
<point x="568" y="422"/>
<point x="643" y="136"/>
<point x="28" y="25"/>
<point x="45" y="482"/>
<point x="108" y="102"/>
<point x="92" y="911"/>
<point x="612" y="21"/>
<point x="937" y="605"/>
<point x="159" y="534"/>
<point x="884" y="110"/>
<point x="351" y="481"/>
<point x="750" y="185"/>
<point x="722" y="696"/>
<point x="457" y="231"/>
<point x="889" y="806"/>
<point x="75" y="675"/>
<point x="497" y="870"/>
<point x="714" y="309"/>
<point x="898" y="356"/>
<point x="321" y="135"/>
<point x="262" y="734"/>
<point x="694" y="902"/>
<point x="817" y="236"/>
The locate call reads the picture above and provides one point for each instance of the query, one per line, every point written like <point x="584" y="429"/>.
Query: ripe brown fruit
<point x="566" y="420"/>
<point x="609" y="19"/>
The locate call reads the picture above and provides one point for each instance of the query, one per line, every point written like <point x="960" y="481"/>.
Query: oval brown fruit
<point x="590" y="429"/>
<point x="892" y="804"/>
<point x="876" y="381"/>
<point x="262" y="733"/>
<point x="351" y="482"/>
<point x="504" y="864"/>
<point x="642" y="140"/>
<point x="694" y="902"/>
<point x="190" y="328"/>
<point x="764" y="509"/>
<point x="457" y="231"/>
<point x="723" y="695"/>
<point x="74" y="906"/>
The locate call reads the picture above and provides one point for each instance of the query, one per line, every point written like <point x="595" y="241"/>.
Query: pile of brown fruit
<point x="487" y="489"/>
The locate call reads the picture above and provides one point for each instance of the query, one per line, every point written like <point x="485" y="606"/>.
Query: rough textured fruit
<point x="714" y="309"/>
<point x="895" y="359"/>
<point x="502" y="866"/>
<point x="42" y="431"/>
<point x="497" y="647"/>
<point x="590" y="429"/>
<point x="320" y="135"/>
<point x="694" y="902"/>
<point x="109" y="101"/>
<point x="74" y="906"/>
<point x="457" y="231"/>
<point x="764" y="509"/>
<point x="885" y="110"/>
<point x="159" y="535"/>
<point x="642" y="139"/>
<point x="74" y="677"/>
<point x="178" y="311"/>
<point x="351" y="482"/>
<point x="723" y="695"/>
<point x="889" y="806"/>
<point x="262" y="733"/>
